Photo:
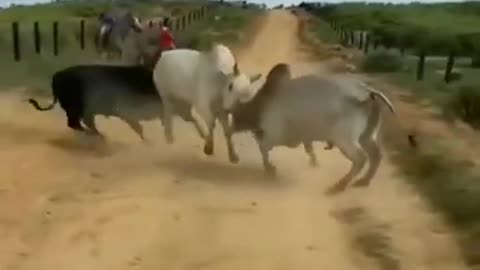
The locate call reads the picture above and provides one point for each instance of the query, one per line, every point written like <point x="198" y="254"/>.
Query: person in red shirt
<point x="166" y="38"/>
<point x="166" y="42"/>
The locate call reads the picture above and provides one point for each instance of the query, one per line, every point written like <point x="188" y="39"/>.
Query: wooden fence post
<point x="16" y="42"/>
<point x="367" y="43"/>
<point x="449" y="68"/>
<point x="82" y="34"/>
<point x="55" y="38"/>
<point x="375" y="43"/>
<point x="360" y="41"/>
<point x="184" y="21"/>
<point x="352" y="39"/>
<point x="177" y="24"/>
<point x="421" y="65"/>
<point x="36" y="37"/>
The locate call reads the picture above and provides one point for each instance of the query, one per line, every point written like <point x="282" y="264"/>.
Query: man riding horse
<point x="107" y="21"/>
<point x="114" y="28"/>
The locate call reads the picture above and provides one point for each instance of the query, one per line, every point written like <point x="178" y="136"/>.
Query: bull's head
<point x="237" y="86"/>
<point x="134" y="23"/>
<point x="240" y="88"/>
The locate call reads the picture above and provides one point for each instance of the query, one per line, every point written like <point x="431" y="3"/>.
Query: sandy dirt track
<point x="66" y="206"/>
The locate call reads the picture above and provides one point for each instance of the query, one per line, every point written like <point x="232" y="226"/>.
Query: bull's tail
<point x="37" y="106"/>
<point x="375" y="117"/>
<point x="374" y="94"/>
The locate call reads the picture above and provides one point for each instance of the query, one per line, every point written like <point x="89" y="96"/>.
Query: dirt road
<point x="64" y="205"/>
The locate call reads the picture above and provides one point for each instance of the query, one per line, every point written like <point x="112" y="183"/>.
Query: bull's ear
<point x="255" y="77"/>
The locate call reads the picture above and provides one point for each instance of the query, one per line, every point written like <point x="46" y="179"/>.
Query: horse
<point x="113" y="31"/>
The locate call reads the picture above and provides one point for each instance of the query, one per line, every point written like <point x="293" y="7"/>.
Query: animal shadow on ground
<point x="368" y="237"/>
<point x="86" y="145"/>
<point x="220" y="173"/>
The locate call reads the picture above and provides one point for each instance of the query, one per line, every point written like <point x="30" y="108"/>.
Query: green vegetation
<point x="382" y="61"/>
<point x="457" y="100"/>
<point x="88" y="9"/>
<point x="316" y="32"/>
<point x="228" y="25"/>
<point x="34" y="68"/>
<point x="322" y="30"/>
<point x="436" y="28"/>
<point x="464" y="103"/>
<point x="451" y="185"/>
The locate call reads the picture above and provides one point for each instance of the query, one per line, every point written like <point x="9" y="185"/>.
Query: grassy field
<point x="450" y="182"/>
<point x="436" y="28"/>
<point x="34" y="70"/>
<point x="88" y="9"/>
<point x="228" y="25"/>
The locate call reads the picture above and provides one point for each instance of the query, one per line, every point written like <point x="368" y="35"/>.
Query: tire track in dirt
<point x="65" y="204"/>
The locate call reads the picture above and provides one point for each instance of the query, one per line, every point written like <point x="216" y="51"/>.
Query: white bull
<point x="302" y="110"/>
<point x="208" y="81"/>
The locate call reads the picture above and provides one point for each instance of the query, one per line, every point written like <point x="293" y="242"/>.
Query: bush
<point x="464" y="104"/>
<point x="382" y="61"/>
<point x="476" y="60"/>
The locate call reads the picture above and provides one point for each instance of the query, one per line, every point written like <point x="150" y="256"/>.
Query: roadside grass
<point x="450" y="183"/>
<point x="433" y="86"/>
<point x="228" y="25"/>
<point x="322" y="30"/>
<point x="369" y="237"/>
<point x="33" y="68"/>
<point x="317" y="33"/>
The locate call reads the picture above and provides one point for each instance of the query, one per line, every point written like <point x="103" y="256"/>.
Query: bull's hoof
<point x="329" y="146"/>
<point x="335" y="189"/>
<point x="271" y="171"/>
<point x="362" y="182"/>
<point x="96" y="136"/>
<point x="234" y="159"/>
<point x="208" y="149"/>
<point x="147" y="142"/>
<point x="169" y="139"/>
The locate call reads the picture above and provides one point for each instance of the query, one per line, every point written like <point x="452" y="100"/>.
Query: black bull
<point x="127" y="92"/>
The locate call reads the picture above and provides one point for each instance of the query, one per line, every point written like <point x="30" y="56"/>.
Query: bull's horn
<point x="236" y="71"/>
<point x="255" y="77"/>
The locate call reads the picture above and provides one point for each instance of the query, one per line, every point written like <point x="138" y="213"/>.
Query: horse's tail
<point x="97" y="40"/>
<point x="101" y="36"/>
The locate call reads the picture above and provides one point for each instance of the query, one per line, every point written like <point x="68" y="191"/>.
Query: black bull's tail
<point x="37" y="106"/>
